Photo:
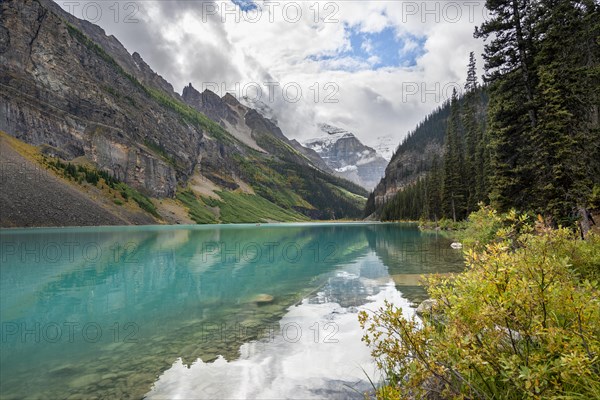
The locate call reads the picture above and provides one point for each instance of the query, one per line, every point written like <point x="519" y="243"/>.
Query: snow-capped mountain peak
<point x="348" y="156"/>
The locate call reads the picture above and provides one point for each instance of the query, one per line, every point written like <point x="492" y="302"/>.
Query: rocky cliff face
<point x="348" y="156"/>
<point x="405" y="168"/>
<point x="61" y="90"/>
<point x="211" y="104"/>
<point x="133" y="64"/>
<point x="79" y="94"/>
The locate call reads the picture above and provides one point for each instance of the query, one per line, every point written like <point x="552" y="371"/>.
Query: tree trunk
<point x="584" y="222"/>
<point x="453" y="209"/>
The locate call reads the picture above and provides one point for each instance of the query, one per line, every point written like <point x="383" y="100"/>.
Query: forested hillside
<point x="536" y="146"/>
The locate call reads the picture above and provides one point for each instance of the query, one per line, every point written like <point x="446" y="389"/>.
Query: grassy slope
<point x="235" y="207"/>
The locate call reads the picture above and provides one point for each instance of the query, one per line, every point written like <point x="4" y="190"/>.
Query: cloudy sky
<point x="376" y="68"/>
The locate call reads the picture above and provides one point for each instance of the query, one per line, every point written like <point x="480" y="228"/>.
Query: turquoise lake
<point x="225" y="311"/>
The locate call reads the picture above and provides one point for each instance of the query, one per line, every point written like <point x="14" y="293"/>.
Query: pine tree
<point x="370" y="206"/>
<point x="512" y="50"/>
<point x="542" y="63"/>
<point x="453" y="193"/>
<point x="433" y="184"/>
<point x="471" y="84"/>
<point x="483" y="161"/>
<point x="567" y="65"/>
<point x="512" y="114"/>
<point x="472" y="137"/>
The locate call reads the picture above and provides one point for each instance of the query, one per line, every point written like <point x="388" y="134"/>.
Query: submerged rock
<point x="263" y="299"/>
<point x="85" y="380"/>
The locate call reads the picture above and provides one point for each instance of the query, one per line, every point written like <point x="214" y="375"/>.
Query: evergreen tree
<point x="471" y="84"/>
<point x="568" y="70"/>
<point x="433" y="185"/>
<point x="370" y="206"/>
<point x="426" y="197"/>
<point x="543" y="67"/>
<point x="511" y="51"/>
<point x="453" y="194"/>
<point x="483" y="160"/>
<point x="472" y="138"/>
<point x="512" y="114"/>
<point x="537" y="146"/>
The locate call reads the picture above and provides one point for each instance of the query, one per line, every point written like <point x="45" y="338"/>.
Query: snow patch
<point x="347" y="168"/>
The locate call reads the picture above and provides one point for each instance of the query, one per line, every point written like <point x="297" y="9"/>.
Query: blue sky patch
<point x="245" y="5"/>
<point x="376" y="50"/>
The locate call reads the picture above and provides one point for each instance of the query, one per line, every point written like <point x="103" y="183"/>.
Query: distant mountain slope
<point x="68" y="87"/>
<point x="414" y="157"/>
<point x="348" y="156"/>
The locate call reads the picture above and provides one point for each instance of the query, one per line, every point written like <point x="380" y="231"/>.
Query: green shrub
<point x="197" y="210"/>
<point x="523" y="321"/>
<point x="91" y="177"/>
<point x="144" y="203"/>
<point x="110" y="180"/>
<point x="446" y="224"/>
<point x="443" y="224"/>
<point x="211" y="202"/>
<point x="71" y="170"/>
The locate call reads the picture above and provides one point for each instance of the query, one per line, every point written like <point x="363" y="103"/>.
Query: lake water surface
<point x="230" y="311"/>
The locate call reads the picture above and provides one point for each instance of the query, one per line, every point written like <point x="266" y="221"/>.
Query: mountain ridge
<point x="345" y="154"/>
<point x="81" y="96"/>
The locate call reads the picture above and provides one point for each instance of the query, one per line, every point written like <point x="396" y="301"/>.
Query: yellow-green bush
<point x="523" y="321"/>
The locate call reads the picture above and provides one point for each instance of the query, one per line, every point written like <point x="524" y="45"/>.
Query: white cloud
<point x="367" y="46"/>
<point x="185" y="41"/>
<point x="408" y="46"/>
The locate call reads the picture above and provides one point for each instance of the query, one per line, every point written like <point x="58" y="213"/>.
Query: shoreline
<point x="192" y="226"/>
